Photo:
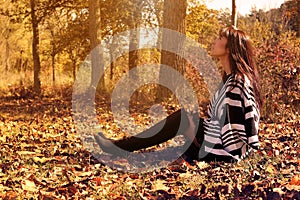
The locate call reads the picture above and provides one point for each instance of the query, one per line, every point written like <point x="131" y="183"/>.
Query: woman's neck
<point x="224" y="61"/>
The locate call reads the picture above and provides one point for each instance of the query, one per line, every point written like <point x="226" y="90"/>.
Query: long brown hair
<point x="242" y="61"/>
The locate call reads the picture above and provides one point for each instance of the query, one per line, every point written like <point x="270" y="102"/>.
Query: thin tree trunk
<point x="298" y="32"/>
<point x="234" y="14"/>
<point x="112" y="62"/>
<point x="35" y="49"/>
<point x="133" y="53"/>
<point x="95" y="36"/>
<point x="159" y="21"/>
<point x="74" y="69"/>
<point x="53" y="54"/>
<point x="53" y="68"/>
<point x="134" y="39"/>
<point x="6" y="54"/>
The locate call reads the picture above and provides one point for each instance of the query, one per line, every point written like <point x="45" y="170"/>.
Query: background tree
<point x="202" y="24"/>
<point x="95" y="37"/>
<point x="298" y="33"/>
<point x="289" y="11"/>
<point x="33" y="14"/>
<point x="174" y="14"/>
<point x="35" y="47"/>
<point x="135" y="21"/>
<point x="75" y="39"/>
<point x="64" y="39"/>
<point x="65" y="28"/>
<point x="234" y="14"/>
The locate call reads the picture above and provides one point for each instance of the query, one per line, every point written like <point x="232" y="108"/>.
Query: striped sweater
<point x="231" y="130"/>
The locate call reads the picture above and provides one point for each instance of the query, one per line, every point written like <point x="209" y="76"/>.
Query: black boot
<point x="166" y="129"/>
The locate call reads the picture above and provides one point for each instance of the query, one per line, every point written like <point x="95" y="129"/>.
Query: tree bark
<point x="298" y="24"/>
<point x="53" y="67"/>
<point x="234" y="14"/>
<point x="6" y="54"/>
<point x="95" y="36"/>
<point x="112" y="48"/>
<point x="134" y="39"/>
<point x="173" y="19"/>
<point x="35" y="49"/>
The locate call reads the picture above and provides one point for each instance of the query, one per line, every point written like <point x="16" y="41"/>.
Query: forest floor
<point x="41" y="157"/>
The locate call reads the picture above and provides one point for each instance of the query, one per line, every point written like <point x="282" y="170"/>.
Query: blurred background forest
<point x="44" y="42"/>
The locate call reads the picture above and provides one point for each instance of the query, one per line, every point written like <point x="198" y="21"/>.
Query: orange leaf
<point x="295" y="180"/>
<point x="10" y="196"/>
<point x="97" y="180"/>
<point x="270" y="153"/>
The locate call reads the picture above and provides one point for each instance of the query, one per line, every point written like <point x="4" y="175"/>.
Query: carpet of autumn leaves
<point x="41" y="157"/>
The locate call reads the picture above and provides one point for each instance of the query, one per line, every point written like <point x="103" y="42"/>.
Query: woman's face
<point x="218" y="48"/>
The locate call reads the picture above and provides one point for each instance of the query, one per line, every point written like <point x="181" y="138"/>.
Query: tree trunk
<point x="174" y="19"/>
<point x="35" y="49"/>
<point x="159" y="22"/>
<point x="53" y="67"/>
<point x="234" y="14"/>
<point x="53" y="54"/>
<point x="134" y="38"/>
<point x="112" y="61"/>
<point x="95" y="36"/>
<point x="133" y="52"/>
<point x="298" y="31"/>
<point x="6" y="54"/>
<point x="74" y="68"/>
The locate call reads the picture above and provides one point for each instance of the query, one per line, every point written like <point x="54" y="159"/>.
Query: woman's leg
<point x="161" y="132"/>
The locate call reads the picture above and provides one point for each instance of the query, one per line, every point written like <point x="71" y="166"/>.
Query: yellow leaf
<point x="29" y="186"/>
<point x="3" y="139"/>
<point x="84" y="174"/>
<point x="271" y="169"/>
<point x="202" y="165"/>
<point x="25" y="153"/>
<point x="40" y="160"/>
<point x="159" y="185"/>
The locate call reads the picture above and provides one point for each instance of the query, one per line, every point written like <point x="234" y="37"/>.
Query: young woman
<point x="230" y="132"/>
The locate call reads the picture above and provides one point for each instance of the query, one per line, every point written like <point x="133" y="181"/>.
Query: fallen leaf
<point x="97" y="180"/>
<point x="10" y="196"/>
<point x="271" y="169"/>
<point x="295" y="180"/>
<point x="41" y="160"/>
<point x="29" y="186"/>
<point x="202" y="165"/>
<point x="159" y="185"/>
<point x="26" y="152"/>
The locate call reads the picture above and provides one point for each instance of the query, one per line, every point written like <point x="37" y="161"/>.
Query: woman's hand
<point x="190" y="132"/>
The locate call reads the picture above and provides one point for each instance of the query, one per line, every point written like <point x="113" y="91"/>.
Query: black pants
<point x="163" y="131"/>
